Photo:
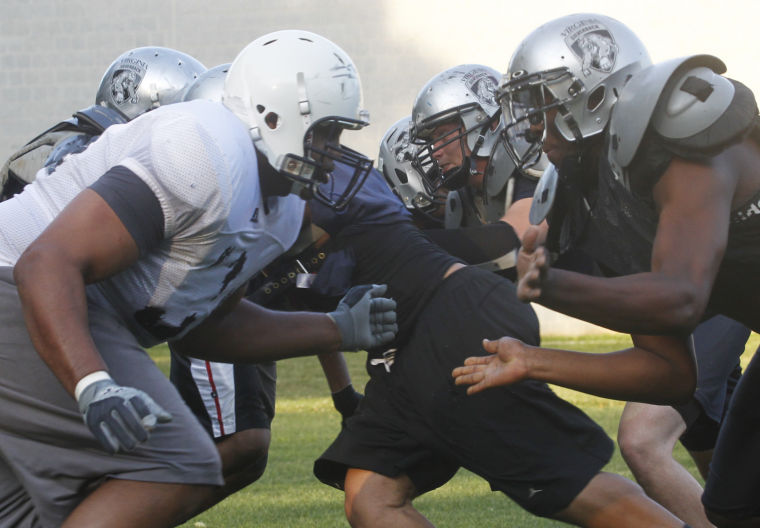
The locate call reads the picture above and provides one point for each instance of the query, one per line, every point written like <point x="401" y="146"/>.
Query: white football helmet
<point x="145" y="78"/>
<point x="577" y="64"/>
<point x="395" y="162"/>
<point x="465" y="95"/>
<point x="209" y="85"/>
<point x="291" y="87"/>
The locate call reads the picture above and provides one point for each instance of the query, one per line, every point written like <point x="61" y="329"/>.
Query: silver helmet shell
<point x="145" y="78"/>
<point x="395" y="164"/>
<point x="466" y="95"/>
<point x="209" y="85"/>
<point x="578" y="64"/>
<point x="467" y="92"/>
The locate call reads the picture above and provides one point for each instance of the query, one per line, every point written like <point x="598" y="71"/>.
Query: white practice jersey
<point x="199" y="161"/>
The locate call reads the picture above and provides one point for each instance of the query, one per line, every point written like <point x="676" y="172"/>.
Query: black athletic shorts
<point x="226" y="397"/>
<point x="524" y="440"/>
<point x="718" y="343"/>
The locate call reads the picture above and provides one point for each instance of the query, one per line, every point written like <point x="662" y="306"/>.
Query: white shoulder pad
<point x="637" y="102"/>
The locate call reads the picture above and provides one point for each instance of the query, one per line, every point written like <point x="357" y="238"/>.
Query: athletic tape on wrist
<point x="88" y="380"/>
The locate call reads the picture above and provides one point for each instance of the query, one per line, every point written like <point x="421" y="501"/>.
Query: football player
<point x="658" y="183"/>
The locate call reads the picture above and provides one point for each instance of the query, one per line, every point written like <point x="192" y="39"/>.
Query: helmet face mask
<point x="446" y="135"/>
<point x="576" y="64"/>
<point x="526" y="99"/>
<point x="291" y="88"/>
<point x="396" y="162"/>
<point x="322" y="150"/>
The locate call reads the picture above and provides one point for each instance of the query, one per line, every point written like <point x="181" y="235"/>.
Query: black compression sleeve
<point x="135" y="205"/>
<point x="479" y="244"/>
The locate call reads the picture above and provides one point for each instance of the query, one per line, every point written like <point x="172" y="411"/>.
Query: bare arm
<point x="694" y="202"/>
<point x="336" y="371"/>
<point x="51" y="275"/>
<point x="656" y="369"/>
<point x="249" y="333"/>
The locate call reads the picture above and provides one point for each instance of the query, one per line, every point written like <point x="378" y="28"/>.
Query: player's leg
<point x="731" y="492"/>
<point x="129" y="503"/>
<point x="374" y="500"/>
<point x="55" y="457"/>
<point x="235" y="404"/>
<point x="613" y="500"/>
<point x="16" y="508"/>
<point x="700" y="438"/>
<point x="647" y="436"/>
<point x="377" y="463"/>
<point x="525" y="441"/>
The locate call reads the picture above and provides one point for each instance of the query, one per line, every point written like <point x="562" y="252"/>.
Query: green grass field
<point x="288" y="495"/>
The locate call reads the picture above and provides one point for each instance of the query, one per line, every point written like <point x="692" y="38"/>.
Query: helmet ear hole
<point x="272" y="119"/>
<point x="401" y="175"/>
<point x="595" y="98"/>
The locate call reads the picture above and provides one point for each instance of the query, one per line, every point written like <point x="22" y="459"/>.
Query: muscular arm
<point x="656" y="369"/>
<point x="51" y="275"/>
<point x="694" y="202"/>
<point x="249" y="333"/>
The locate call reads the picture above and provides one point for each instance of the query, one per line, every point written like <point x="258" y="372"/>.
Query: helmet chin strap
<point x="457" y="177"/>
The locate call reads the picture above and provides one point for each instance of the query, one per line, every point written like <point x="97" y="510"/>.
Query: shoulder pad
<point x="95" y="119"/>
<point x="454" y="211"/>
<point x="499" y="170"/>
<point x="72" y="144"/>
<point x="637" y="102"/>
<point x="506" y="261"/>
<point x="692" y="101"/>
<point x="24" y="163"/>
<point x="543" y="196"/>
<point x="495" y="207"/>
<point x="704" y="113"/>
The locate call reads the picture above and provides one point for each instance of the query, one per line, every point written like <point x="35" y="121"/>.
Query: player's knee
<point x="636" y="444"/>
<point x="369" y="499"/>
<point x="245" y="455"/>
<point x="360" y="507"/>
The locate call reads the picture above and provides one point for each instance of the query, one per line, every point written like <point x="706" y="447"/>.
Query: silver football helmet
<point x="395" y="162"/>
<point x="209" y="85"/>
<point x="293" y="89"/>
<point x="145" y="78"/>
<point x="577" y="64"/>
<point x="464" y="95"/>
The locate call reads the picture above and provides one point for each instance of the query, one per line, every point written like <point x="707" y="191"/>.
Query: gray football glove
<point x="365" y="319"/>
<point x="119" y="417"/>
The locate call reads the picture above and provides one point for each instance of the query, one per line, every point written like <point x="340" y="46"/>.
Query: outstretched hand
<point x="506" y="365"/>
<point x="532" y="265"/>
